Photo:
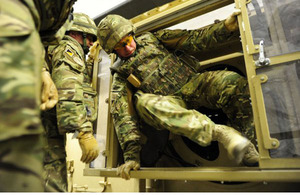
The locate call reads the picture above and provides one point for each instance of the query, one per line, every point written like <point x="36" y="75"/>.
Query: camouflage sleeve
<point x="193" y="41"/>
<point x="68" y="78"/>
<point x="124" y="120"/>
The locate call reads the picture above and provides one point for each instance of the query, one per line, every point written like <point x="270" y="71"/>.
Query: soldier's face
<point x="126" y="47"/>
<point x="79" y="38"/>
<point x="89" y="40"/>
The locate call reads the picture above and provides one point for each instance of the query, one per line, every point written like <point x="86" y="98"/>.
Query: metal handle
<point x="262" y="60"/>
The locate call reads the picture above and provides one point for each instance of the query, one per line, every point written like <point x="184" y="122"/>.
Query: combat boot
<point x="235" y="144"/>
<point x="251" y="156"/>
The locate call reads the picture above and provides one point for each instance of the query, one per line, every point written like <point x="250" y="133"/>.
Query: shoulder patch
<point x="74" y="59"/>
<point x="69" y="52"/>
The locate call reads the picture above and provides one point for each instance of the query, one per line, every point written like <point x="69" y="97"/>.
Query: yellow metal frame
<point x="265" y="142"/>
<point x="271" y="170"/>
<point x="284" y="58"/>
<point x="220" y="59"/>
<point x="245" y="174"/>
<point x="111" y="140"/>
<point x="175" y="12"/>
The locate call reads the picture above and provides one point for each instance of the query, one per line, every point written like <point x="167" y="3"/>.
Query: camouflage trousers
<point x="223" y="90"/>
<point x="20" y="164"/>
<point x="55" y="168"/>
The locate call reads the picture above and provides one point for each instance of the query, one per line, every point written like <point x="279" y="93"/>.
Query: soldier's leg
<point x="55" y="173"/>
<point x="169" y="112"/>
<point x="224" y="90"/>
<point x="228" y="91"/>
<point x="20" y="164"/>
<point x="239" y="109"/>
<point x="55" y="166"/>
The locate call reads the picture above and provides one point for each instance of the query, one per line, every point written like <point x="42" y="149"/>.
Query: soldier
<point x="75" y="110"/>
<point x="24" y="26"/>
<point x="169" y="88"/>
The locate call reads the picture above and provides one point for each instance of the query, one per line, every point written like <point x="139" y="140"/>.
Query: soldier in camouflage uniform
<point x="75" y="110"/>
<point x="24" y="26"/>
<point x="170" y="88"/>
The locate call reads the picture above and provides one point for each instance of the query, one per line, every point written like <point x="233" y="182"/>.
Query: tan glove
<point x="89" y="146"/>
<point x="231" y="23"/>
<point x="93" y="52"/>
<point x="49" y="92"/>
<point x="125" y="168"/>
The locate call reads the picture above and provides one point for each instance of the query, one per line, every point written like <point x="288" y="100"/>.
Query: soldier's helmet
<point x="112" y="29"/>
<point x="83" y="23"/>
<point x="53" y="14"/>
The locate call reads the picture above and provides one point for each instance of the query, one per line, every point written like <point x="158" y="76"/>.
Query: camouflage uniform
<point x="75" y="110"/>
<point x="24" y="24"/>
<point x="170" y="87"/>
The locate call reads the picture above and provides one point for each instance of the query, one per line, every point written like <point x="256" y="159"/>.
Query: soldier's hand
<point x="94" y="50"/>
<point x="125" y="168"/>
<point x="89" y="146"/>
<point x="231" y="23"/>
<point x="49" y="92"/>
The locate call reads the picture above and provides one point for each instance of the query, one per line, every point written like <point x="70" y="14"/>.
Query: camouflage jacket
<point x="75" y="109"/>
<point x="21" y="54"/>
<point x="160" y="71"/>
<point x="23" y="23"/>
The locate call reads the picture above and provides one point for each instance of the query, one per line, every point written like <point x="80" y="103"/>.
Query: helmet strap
<point x="85" y="47"/>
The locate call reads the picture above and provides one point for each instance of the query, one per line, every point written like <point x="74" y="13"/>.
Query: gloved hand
<point x="89" y="146"/>
<point x="231" y="23"/>
<point x="124" y="169"/>
<point x="93" y="52"/>
<point x="49" y="92"/>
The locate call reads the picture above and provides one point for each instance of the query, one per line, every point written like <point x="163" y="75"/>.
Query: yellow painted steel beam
<point x="175" y="12"/>
<point x="285" y="58"/>
<point x="222" y="58"/>
<point x="245" y="174"/>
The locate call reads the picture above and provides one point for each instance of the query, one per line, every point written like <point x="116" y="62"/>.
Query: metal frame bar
<point x="175" y="12"/>
<point x="265" y="142"/>
<point x="245" y="174"/>
<point x="276" y="170"/>
<point x="220" y="59"/>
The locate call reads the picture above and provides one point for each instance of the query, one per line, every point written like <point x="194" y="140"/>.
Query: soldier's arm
<point x="125" y="121"/>
<point x="192" y="41"/>
<point x="71" y="112"/>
